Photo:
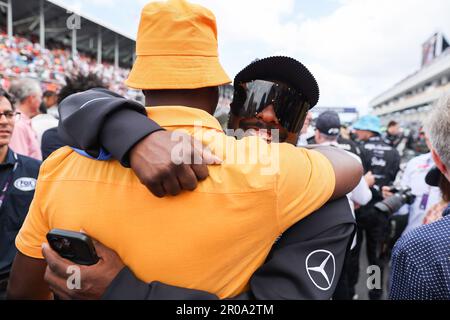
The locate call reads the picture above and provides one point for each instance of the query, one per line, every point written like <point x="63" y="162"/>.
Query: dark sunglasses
<point x="289" y="104"/>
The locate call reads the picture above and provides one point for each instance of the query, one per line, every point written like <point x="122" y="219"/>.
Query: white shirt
<point x="414" y="177"/>
<point x="53" y="111"/>
<point x="42" y="123"/>
<point x="302" y="140"/>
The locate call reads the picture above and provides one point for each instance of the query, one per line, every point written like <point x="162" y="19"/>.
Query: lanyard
<point x="7" y="185"/>
<point x="426" y="196"/>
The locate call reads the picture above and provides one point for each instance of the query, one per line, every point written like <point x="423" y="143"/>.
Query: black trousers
<point x="374" y="226"/>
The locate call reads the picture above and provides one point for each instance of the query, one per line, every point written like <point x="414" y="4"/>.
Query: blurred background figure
<point x="305" y="133"/>
<point x="49" y="115"/>
<point x="345" y="132"/>
<point x="327" y="132"/>
<point x="393" y="135"/>
<point x="426" y="196"/>
<point x="50" y="103"/>
<point x="384" y="162"/>
<point x="28" y="95"/>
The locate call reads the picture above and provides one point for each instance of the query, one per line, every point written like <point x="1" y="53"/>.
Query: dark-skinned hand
<point x="156" y="162"/>
<point x="94" y="280"/>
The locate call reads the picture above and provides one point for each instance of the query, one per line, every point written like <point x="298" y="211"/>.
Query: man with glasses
<point x="18" y="176"/>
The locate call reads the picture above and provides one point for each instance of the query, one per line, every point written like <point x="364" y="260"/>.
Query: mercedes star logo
<point x="321" y="268"/>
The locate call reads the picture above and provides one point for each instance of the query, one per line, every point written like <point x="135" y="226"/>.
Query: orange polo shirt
<point x="211" y="239"/>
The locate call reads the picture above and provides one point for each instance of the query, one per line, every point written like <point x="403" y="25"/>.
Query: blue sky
<point x="355" y="48"/>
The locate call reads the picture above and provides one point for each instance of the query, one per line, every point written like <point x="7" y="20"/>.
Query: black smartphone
<point x="74" y="246"/>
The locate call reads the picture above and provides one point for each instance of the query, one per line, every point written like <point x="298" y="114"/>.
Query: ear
<point x="437" y="160"/>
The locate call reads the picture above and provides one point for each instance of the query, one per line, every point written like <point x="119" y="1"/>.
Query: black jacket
<point x="101" y="119"/>
<point x="384" y="162"/>
<point x="50" y="142"/>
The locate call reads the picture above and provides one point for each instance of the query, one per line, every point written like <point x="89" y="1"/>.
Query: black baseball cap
<point x="329" y="123"/>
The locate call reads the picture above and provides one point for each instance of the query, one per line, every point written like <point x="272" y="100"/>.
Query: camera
<point x="401" y="197"/>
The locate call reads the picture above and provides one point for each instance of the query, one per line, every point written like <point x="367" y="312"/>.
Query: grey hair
<point x="23" y="88"/>
<point x="438" y="129"/>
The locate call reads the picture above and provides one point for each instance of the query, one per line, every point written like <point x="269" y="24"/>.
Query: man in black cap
<point x="266" y="101"/>
<point x="327" y="132"/>
<point x="328" y="126"/>
<point x="343" y="143"/>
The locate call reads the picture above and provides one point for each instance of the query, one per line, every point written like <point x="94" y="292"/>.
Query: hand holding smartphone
<point x="74" y="246"/>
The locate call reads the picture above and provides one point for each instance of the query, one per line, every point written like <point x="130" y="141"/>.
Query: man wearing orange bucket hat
<point x="212" y="239"/>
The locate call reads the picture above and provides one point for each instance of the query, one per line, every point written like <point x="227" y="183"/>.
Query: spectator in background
<point x="49" y="115"/>
<point x="343" y="141"/>
<point x="393" y="135"/>
<point x="420" y="259"/>
<point x="303" y="138"/>
<point x="51" y="140"/>
<point x="327" y="132"/>
<point x="345" y="132"/>
<point x="20" y="57"/>
<point x="50" y="102"/>
<point x="426" y="195"/>
<point x="18" y="176"/>
<point x="384" y="162"/>
<point x="24" y="140"/>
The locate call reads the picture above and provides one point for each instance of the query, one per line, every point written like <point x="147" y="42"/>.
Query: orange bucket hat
<point x="176" y="48"/>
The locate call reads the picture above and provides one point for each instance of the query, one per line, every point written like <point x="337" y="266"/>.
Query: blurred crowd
<point x="20" y="57"/>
